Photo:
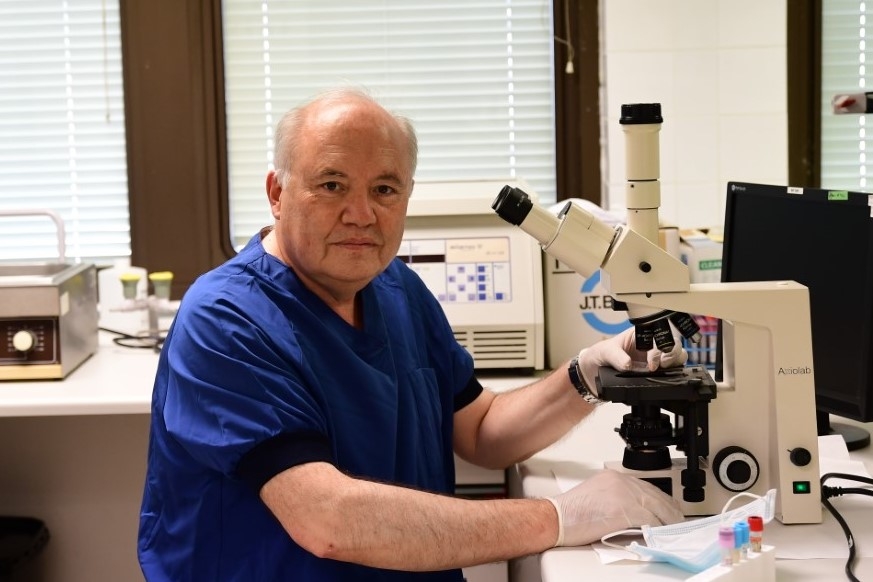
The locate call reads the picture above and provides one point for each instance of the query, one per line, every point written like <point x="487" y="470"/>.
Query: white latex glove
<point x="608" y="502"/>
<point x="620" y="352"/>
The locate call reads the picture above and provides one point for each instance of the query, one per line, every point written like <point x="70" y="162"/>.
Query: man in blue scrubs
<point x="310" y="395"/>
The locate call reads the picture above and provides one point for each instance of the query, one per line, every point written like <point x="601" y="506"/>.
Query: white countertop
<point x="115" y="380"/>
<point x="119" y="380"/>
<point x="583" y="452"/>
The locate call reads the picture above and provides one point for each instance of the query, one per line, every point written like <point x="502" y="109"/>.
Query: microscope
<point x="700" y="441"/>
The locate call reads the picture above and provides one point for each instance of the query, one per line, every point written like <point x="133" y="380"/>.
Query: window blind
<point x="62" y="143"/>
<point x="845" y="52"/>
<point x="474" y="76"/>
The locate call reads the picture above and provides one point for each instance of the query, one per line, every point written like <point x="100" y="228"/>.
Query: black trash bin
<point x="21" y="538"/>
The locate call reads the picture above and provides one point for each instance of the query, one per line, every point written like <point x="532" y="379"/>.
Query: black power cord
<point x="140" y="341"/>
<point x="830" y="492"/>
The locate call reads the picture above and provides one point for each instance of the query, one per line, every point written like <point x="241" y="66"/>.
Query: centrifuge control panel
<point x="462" y="270"/>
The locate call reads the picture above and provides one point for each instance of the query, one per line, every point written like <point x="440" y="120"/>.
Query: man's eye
<point x="331" y="186"/>
<point x="385" y="190"/>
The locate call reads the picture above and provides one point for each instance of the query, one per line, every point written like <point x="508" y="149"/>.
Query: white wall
<point x="718" y="68"/>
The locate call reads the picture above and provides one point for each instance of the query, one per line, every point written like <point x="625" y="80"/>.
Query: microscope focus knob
<point x="735" y="468"/>
<point x="800" y="456"/>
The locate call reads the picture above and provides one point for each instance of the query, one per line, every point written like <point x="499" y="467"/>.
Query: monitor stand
<point x="855" y="436"/>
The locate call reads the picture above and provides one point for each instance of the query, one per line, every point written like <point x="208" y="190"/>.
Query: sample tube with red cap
<point x="756" y="532"/>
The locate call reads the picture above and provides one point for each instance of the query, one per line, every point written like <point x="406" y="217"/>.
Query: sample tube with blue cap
<point x="741" y="533"/>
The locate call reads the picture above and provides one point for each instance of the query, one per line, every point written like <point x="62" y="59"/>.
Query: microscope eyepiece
<point x="512" y="205"/>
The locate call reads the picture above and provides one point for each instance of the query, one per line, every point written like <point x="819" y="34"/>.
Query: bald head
<point x="336" y="107"/>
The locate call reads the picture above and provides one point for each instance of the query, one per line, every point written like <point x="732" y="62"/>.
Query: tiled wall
<point x="718" y="68"/>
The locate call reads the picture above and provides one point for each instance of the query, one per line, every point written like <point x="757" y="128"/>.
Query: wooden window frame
<point x="176" y="135"/>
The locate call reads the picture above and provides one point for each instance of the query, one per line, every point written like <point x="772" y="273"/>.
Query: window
<point x="844" y="138"/>
<point x="476" y="78"/>
<point x="62" y="144"/>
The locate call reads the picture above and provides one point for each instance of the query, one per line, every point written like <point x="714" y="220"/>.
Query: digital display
<point x="462" y="270"/>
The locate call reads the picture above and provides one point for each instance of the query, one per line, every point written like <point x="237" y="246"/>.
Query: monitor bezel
<point x="861" y="408"/>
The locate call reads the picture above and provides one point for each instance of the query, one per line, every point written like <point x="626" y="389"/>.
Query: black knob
<point x="738" y="471"/>
<point x="800" y="456"/>
<point x="693" y="482"/>
<point x="645" y="267"/>
<point x="735" y="468"/>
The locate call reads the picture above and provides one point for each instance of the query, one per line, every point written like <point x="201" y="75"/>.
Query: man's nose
<point x="359" y="208"/>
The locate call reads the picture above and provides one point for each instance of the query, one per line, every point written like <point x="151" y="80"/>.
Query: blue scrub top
<point x="258" y="375"/>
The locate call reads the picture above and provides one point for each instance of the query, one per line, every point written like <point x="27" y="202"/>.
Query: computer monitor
<point x="824" y="240"/>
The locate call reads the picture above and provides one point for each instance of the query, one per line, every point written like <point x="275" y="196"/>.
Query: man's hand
<point x="620" y="352"/>
<point x="608" y="502"/>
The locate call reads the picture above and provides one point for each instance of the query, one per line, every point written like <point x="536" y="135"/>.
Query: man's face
<point x="340" y="215"/>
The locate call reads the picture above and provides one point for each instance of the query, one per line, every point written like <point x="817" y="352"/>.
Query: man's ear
<point x="274" y="191"/>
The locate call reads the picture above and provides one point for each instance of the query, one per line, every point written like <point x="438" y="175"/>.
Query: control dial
<point x="23" y="340"/>
<point x="800" y="456"/>
<point x="735" y="468"/>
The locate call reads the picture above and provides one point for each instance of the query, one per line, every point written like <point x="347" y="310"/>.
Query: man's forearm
<point x="525" y="421"/>
<point x="392" y="527"/>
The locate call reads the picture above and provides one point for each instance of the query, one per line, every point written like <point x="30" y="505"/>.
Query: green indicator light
<point x="838" y="195"/>
<point x="801" y="487"/>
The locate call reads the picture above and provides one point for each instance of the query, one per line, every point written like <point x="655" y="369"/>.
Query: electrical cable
<point x="145" y="340"/>
<point x="829" y="492"/>
<point x="568" y="42"/>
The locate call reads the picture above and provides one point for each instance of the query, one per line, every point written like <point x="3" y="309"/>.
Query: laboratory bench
<point x="594" y="441"/>
<point x="73" y="454"/>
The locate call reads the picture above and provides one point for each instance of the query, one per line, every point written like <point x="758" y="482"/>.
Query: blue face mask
<point x="693" y="545"/>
